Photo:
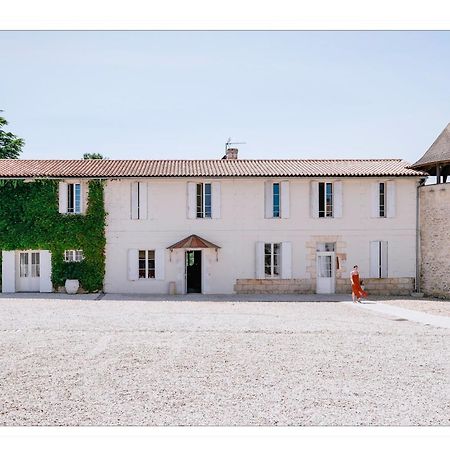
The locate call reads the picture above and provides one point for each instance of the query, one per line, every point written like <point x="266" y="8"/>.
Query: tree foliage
<point x="93" y="156"/>
<point x="10" y="144"/>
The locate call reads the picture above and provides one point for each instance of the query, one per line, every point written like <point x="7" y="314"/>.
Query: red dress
<point x="356" y="287"/>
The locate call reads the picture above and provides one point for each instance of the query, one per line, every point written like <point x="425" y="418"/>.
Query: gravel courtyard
<point x="72" y="362"/>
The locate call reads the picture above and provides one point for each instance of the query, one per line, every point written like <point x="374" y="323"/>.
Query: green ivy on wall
<point x="30" y="220"/>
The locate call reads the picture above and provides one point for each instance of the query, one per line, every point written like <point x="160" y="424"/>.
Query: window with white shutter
<point x="139" y="200"/>
<point x="276" y="200"/>
<point x="379" y="259"/>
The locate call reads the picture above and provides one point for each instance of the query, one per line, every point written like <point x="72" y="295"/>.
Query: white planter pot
<point x="72" y="286"/>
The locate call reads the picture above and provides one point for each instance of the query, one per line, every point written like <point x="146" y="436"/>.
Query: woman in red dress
<point x="357" y="290"/>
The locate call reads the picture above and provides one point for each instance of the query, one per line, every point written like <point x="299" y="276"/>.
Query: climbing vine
<point x="30" y="220"/>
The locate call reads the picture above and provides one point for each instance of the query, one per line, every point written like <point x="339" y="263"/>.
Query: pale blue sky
<point x="182" y="94"/>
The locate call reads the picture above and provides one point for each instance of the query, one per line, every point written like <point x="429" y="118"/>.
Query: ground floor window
<point x="379" y="259"/>
<point x="272" y="260"/>
<point x="146" y="263"/>
<point x="73" y="255"/>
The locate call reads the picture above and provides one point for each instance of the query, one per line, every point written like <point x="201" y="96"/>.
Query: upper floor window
<point x="139" y="200"/>
<point x="272" y="260"/>
<point x="146" y="263"/>
<point x="326" y="199"/>
<point x="204" y="194"/>
<point x="73" y="255"/>
<point x="276" y="199"/>
<point x="74" y="198"/>
<point x="382" y="199"/>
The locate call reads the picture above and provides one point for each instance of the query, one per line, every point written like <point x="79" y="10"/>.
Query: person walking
<point x="357" y="290"/>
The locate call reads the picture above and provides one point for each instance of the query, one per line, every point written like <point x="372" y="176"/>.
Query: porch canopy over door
<point x="193" y="241"/>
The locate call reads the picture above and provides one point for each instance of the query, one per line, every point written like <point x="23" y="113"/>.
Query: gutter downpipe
<point x="420" y="183"/>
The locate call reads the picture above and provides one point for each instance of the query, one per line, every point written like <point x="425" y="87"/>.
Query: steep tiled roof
<point x="10" y="168"/>
<point x="438" y="152"/>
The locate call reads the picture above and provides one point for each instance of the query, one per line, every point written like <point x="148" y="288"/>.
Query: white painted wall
<point x="242" y="223"/>
<point x="8" y="272"/>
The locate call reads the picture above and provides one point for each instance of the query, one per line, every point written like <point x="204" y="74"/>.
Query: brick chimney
<point x="231" y="153"/>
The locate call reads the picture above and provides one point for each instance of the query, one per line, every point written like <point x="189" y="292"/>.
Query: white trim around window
<point x="72" y="197"/>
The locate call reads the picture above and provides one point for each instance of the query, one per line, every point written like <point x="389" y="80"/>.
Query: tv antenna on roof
<point x="228" y="143"/>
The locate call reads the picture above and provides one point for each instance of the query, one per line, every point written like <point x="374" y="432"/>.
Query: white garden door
<point x="326" y="273"/>
<point x="28" y="271"/>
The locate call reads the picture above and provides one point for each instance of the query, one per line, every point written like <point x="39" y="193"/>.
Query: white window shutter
<point x="133" y="264"/>
<point x="374" y="259"/>
<point x="314" y="199"/>
<point x="151" y="200"/>
<point x="384" y="259"/>
<point x="45" y="277"/>
<point x="134" y="200"/>
<point x="192" y="200"/>
<point x="160" y="259"/>
<point x="286" y="260"/>
<point x="8" y="271"/>
<point x="337" y="199"/>
<point x="84" y="186"/>
<point x="268" y="199"/>
<point x="284" y="199"/>
<point x="375" y="199"/>
<point x="259" y="260"/>
<point x="215" y="199"/>
<point x="390" y="199"/>
<point x="62" y="197"/>
<point x="143" y="200"/>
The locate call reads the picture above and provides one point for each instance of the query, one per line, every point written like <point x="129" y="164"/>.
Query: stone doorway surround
<point x="341" y="259"/>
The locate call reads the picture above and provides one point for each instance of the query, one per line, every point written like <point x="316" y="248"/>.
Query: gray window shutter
<point x="337" y="199"/>
<point x="384" y="259"/>
<point x="374" y="259"/>
<point x="143" y="200"/>
<point x="160" y="259"/>
<point x="8" y="271"/>
<point x="62" y="197"/>
<point x="134" y="200"/>
<point x="133" y="264"/>
<point x="268" y="200"/>
<point x="285" y="199"/>
<point x="215" y="199"/>
<point x="390" y="199"/>
<point x="375" y="199"/>
<point x="286" y="260"/>
<point x="45" y="277"/>
<point x="192" y="200"/>
<point x="259" y="260"/>
<point x="314" y="199"/>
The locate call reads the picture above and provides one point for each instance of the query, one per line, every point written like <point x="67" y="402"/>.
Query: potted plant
<point x="72" y="283"/>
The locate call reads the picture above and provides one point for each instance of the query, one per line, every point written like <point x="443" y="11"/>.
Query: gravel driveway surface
<point x="212" y="363"/>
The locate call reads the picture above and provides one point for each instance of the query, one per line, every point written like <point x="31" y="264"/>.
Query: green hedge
<point x="29" y="219"/>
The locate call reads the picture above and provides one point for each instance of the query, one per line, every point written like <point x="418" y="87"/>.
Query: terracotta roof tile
<point x="108" y="168"/>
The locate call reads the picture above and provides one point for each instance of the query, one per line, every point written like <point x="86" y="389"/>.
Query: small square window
<point x="73" y="255"/>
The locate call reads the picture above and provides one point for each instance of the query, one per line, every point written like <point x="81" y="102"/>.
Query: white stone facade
<point x="240" y="223"/>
